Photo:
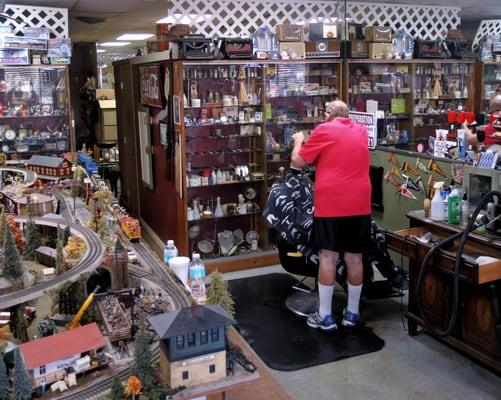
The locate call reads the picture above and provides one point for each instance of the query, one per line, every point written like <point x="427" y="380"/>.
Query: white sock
<point x="325" y="294"/>
<point x="354" y="298"/>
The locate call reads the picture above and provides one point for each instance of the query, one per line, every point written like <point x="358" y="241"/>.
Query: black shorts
<point x="342" y="234"/>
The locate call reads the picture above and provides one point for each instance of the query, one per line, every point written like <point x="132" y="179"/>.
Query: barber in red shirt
<point x="342" y="200"/>
<point x="485" y="133"/>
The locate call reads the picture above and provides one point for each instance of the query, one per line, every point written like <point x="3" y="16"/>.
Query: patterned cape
<point x="289" y="209"/>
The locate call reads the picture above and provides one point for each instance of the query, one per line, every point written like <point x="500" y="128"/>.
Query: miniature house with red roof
<point x="51" y="358"/>
<point x="192" y="344"/>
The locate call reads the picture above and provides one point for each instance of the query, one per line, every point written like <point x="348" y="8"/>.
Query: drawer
<point x="404" y="241"/>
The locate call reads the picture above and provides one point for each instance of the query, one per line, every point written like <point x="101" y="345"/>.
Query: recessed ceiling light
<point x="101" y="50"/>
<point x="114" y="44"/>
<point x="135" y="36"/>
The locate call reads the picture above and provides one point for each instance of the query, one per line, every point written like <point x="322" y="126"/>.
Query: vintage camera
<point x="290" y="33"/>
<point x="323" y="48"/>
<point x="319" y="31"/>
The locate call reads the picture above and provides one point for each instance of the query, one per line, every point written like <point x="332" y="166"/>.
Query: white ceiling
<point x="140" y="15"/>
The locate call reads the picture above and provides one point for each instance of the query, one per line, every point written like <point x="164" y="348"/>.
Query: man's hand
<point x="298" y="137"/>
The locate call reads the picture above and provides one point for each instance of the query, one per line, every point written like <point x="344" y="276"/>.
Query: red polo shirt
<point x="341" y="156"/>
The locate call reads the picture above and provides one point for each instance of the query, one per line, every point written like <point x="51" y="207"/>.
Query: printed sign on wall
<point x="370" y="122"/>
<point x="150" y="85"/>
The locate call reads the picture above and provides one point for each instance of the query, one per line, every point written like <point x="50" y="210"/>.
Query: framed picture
<point x="143" y="120"/>
<point x="176" y="106"/>
<point x="149" y="85"/>
<point x="163" y="134"/>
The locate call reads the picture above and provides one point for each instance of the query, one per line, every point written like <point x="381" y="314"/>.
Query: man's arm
<point x="296" y="160"/>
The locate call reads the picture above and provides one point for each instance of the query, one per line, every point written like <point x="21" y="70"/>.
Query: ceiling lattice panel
<point x="238" y="18"/>
<point x="487" y="27"/>
<point x="55" y="19"/>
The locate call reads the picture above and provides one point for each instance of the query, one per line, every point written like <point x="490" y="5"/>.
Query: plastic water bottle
<point x="170" y="251"/>
<point x="197" y="278"/>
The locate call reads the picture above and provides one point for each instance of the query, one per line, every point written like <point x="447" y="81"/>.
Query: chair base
<point x="302" y="303"/>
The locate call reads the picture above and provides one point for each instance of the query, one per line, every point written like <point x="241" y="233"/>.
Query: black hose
<point x="464" y="234"/>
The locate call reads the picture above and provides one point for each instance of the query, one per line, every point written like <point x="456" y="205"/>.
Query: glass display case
<point x="386" y="89"/>
<point x="488" y="82"/>
<point x="34" y="110"/>
<point x="440" y="86"/>
<point x="237" y="121"/>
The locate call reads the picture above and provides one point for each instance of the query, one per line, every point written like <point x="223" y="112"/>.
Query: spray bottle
<point x="437" y="204"/>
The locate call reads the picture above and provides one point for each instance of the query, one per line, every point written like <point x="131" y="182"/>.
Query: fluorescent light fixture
<point x="101" y="50"/>
<point x="313" y="21"/>
<point x="166" y="20"/>
<point x="135" y="36"/>
<point x="114" y="44"/>
<point x="185" y="20"/>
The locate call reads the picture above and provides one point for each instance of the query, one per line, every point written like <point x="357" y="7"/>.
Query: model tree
<point x="20" y="323"/>
<point x="32" y="238"/>
<point x="3" y="224"/>
<point x="22" y="385"/>
<point x="4" y="382"/>
<point x="142" y="356"/>
<point x="117" y="390"/>
<point x="217" y="293"/>
<point x="66" y="235"/>
<point x="133" y="387"/>
<point x="12" y="267"/>
<point x="59" y="251"/>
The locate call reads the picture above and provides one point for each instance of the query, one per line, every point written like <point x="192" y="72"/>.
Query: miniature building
<point x="48" y="273"/>
<point x="46" y="256"/>
<point x="50" y="166"/>
<point x="192" y="344"/>
<point x="117" y="266"/>
<point x="115" y="321"/>
<point x="51" y="358"/>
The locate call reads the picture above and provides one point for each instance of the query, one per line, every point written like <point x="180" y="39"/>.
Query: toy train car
<point x="87" y="162"/>
<point x="130" y="226"/>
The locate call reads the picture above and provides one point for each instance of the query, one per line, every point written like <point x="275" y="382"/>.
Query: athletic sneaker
<point x="350" y="319"/>
<point x="326" y="324"/>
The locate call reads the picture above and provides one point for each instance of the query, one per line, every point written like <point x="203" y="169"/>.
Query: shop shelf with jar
<point x="34" y="117"/>
<point x="438" y="87"/>
<point x="224" y="157"/>
<point x="487" y="83"/>
<point x="296" y="97"/>
<point x="383" y="87"/>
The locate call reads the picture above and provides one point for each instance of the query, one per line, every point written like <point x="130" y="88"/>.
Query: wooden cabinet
<point x="477" y="331"/>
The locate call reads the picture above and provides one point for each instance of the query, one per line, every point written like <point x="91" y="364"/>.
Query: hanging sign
<point x="369" y="120"/>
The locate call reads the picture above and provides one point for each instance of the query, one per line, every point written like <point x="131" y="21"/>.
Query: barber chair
<point x="304" y="301"/>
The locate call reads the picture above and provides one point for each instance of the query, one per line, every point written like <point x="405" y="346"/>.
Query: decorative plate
<point x="251" y="235"/>
<point x="250" y="193"/>
<point x="10" y="134"/>
<point x="238" y="236"/>
<point x="205" y="246"/>
<point x="194" y="232"/>
<point x="61" y="144"/>
<point x="5" y="148"/>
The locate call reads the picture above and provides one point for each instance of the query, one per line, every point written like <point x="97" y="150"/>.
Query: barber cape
<point x="289" y="209"/>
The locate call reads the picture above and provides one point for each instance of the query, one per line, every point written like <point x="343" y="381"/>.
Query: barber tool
<point x="195" y="47"/>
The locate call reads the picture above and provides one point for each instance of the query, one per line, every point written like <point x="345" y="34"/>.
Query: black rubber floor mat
<point x="284" y="341"/>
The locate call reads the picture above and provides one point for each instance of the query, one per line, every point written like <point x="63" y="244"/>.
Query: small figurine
<point x="242" y="208"/>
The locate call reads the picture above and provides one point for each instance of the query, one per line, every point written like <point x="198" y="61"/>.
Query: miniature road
<point x="87" y="263"/>
<point x="29" y="176"/>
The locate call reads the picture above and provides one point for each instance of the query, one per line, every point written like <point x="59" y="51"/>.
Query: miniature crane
<point x="75" y="323"/>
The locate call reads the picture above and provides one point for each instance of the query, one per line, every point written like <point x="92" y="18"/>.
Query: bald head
<point x="338" y="108"/>
<point x="495" y="103"/>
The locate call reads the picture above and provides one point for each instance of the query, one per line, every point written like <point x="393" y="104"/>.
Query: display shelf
<point x="189" y="138"/>
<point x="226" y="184"/>
<point x="215" y="219"/>
<point x="487" y="82"/>
<point x="35" y="99"/>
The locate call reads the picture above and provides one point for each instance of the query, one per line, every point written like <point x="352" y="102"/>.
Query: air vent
<point x="90" y="20"/>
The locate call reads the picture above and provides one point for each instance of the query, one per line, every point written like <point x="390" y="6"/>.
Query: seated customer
<point x="342" y="200"/>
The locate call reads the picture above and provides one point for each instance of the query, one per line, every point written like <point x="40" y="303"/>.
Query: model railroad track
<point x="89" y="262"/>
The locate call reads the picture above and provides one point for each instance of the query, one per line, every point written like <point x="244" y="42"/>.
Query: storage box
<point x="379" y="50"/>
<point x="378" y="34"/>
<point x="293" y="47"/>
